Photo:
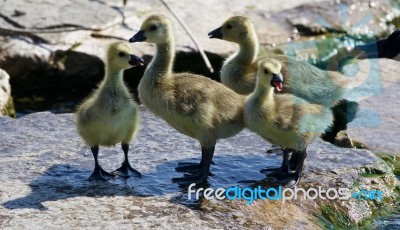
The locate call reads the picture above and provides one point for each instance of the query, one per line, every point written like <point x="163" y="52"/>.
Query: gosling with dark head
<point x="109" y="115"/>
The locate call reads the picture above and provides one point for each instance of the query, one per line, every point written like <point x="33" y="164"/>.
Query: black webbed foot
<point x="293" y="178"/>
<point x="127" y="171"/>
<point x="202" y="172"/>
<point x="100" y="174"/>
<point x="188" y="167"/>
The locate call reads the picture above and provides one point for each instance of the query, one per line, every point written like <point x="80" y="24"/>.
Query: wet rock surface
<point x="44" y="168"/>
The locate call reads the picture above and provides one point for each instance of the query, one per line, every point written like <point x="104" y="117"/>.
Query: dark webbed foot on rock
<point x="188" y="167"/>
<point x="98" y="173"/>
<point x="290" y="180"/>
<point x="126" y="169"/>
<point x="202" y="171"/>
<point x="286" y="166"/>
<point x="293" y="178"/>
<point x="275" y="171"/>
<point x="191" y="167"/>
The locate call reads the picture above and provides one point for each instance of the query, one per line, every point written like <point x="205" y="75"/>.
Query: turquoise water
<point x="328" y="51"/>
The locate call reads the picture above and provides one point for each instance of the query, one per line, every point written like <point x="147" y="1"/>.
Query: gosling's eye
<point x="153" y="27"/>
<point x="266" y="71"/>
<point x="229" y="26"/>
<point x="121" y="54"/>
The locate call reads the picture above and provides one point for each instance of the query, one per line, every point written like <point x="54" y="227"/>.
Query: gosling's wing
<point x="293" y="113"/>
<point x="314" y="119"/>
<point x="188" y="93"/>
<point x="86" y="112"/>
<point x="285" y="111"/>
<point x="195" y="92"/>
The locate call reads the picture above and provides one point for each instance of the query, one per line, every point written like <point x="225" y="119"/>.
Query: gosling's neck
<point x="113" y="77"/>
<point x="162" y="63"/>
<point x="248" y="50"/>
<point x="264" y="94"/>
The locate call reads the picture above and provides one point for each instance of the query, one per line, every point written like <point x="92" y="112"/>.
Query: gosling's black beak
<point x="277" y="77"/>
<point x="135" y="60"/>
<point x="138" y="37"/>
<point x="217" y="33"/>
<point x="372" y="50"/>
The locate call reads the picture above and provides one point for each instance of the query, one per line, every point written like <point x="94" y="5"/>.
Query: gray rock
<point x="87" y="26"/>
<point x="377" y="124"/>
<point x="59" y="51"/>
<point x="44" y="167"/>
<point x="343" y="16"/>
<point x="6" y="100"/>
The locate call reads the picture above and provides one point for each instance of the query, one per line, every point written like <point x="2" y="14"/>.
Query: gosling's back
<point x="194" y="105"/>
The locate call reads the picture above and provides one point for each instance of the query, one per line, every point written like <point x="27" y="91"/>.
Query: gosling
<point x="194" y="105"/>
<point x="110" y="115"/>
<point x="301" y="79"/>
<point x="284" y="119"/>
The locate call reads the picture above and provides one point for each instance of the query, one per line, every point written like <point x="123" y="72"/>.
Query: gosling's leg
<point x="98" y="172"/>
<point x="204" y="171"/>
<point x="285" y="167"/>
<point x="294" y="178"/>
<point x="126" y="169"/>
<point x="293" y="161"/>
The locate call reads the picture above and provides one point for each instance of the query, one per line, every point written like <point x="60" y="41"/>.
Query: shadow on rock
<point x="63" y="181"/>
